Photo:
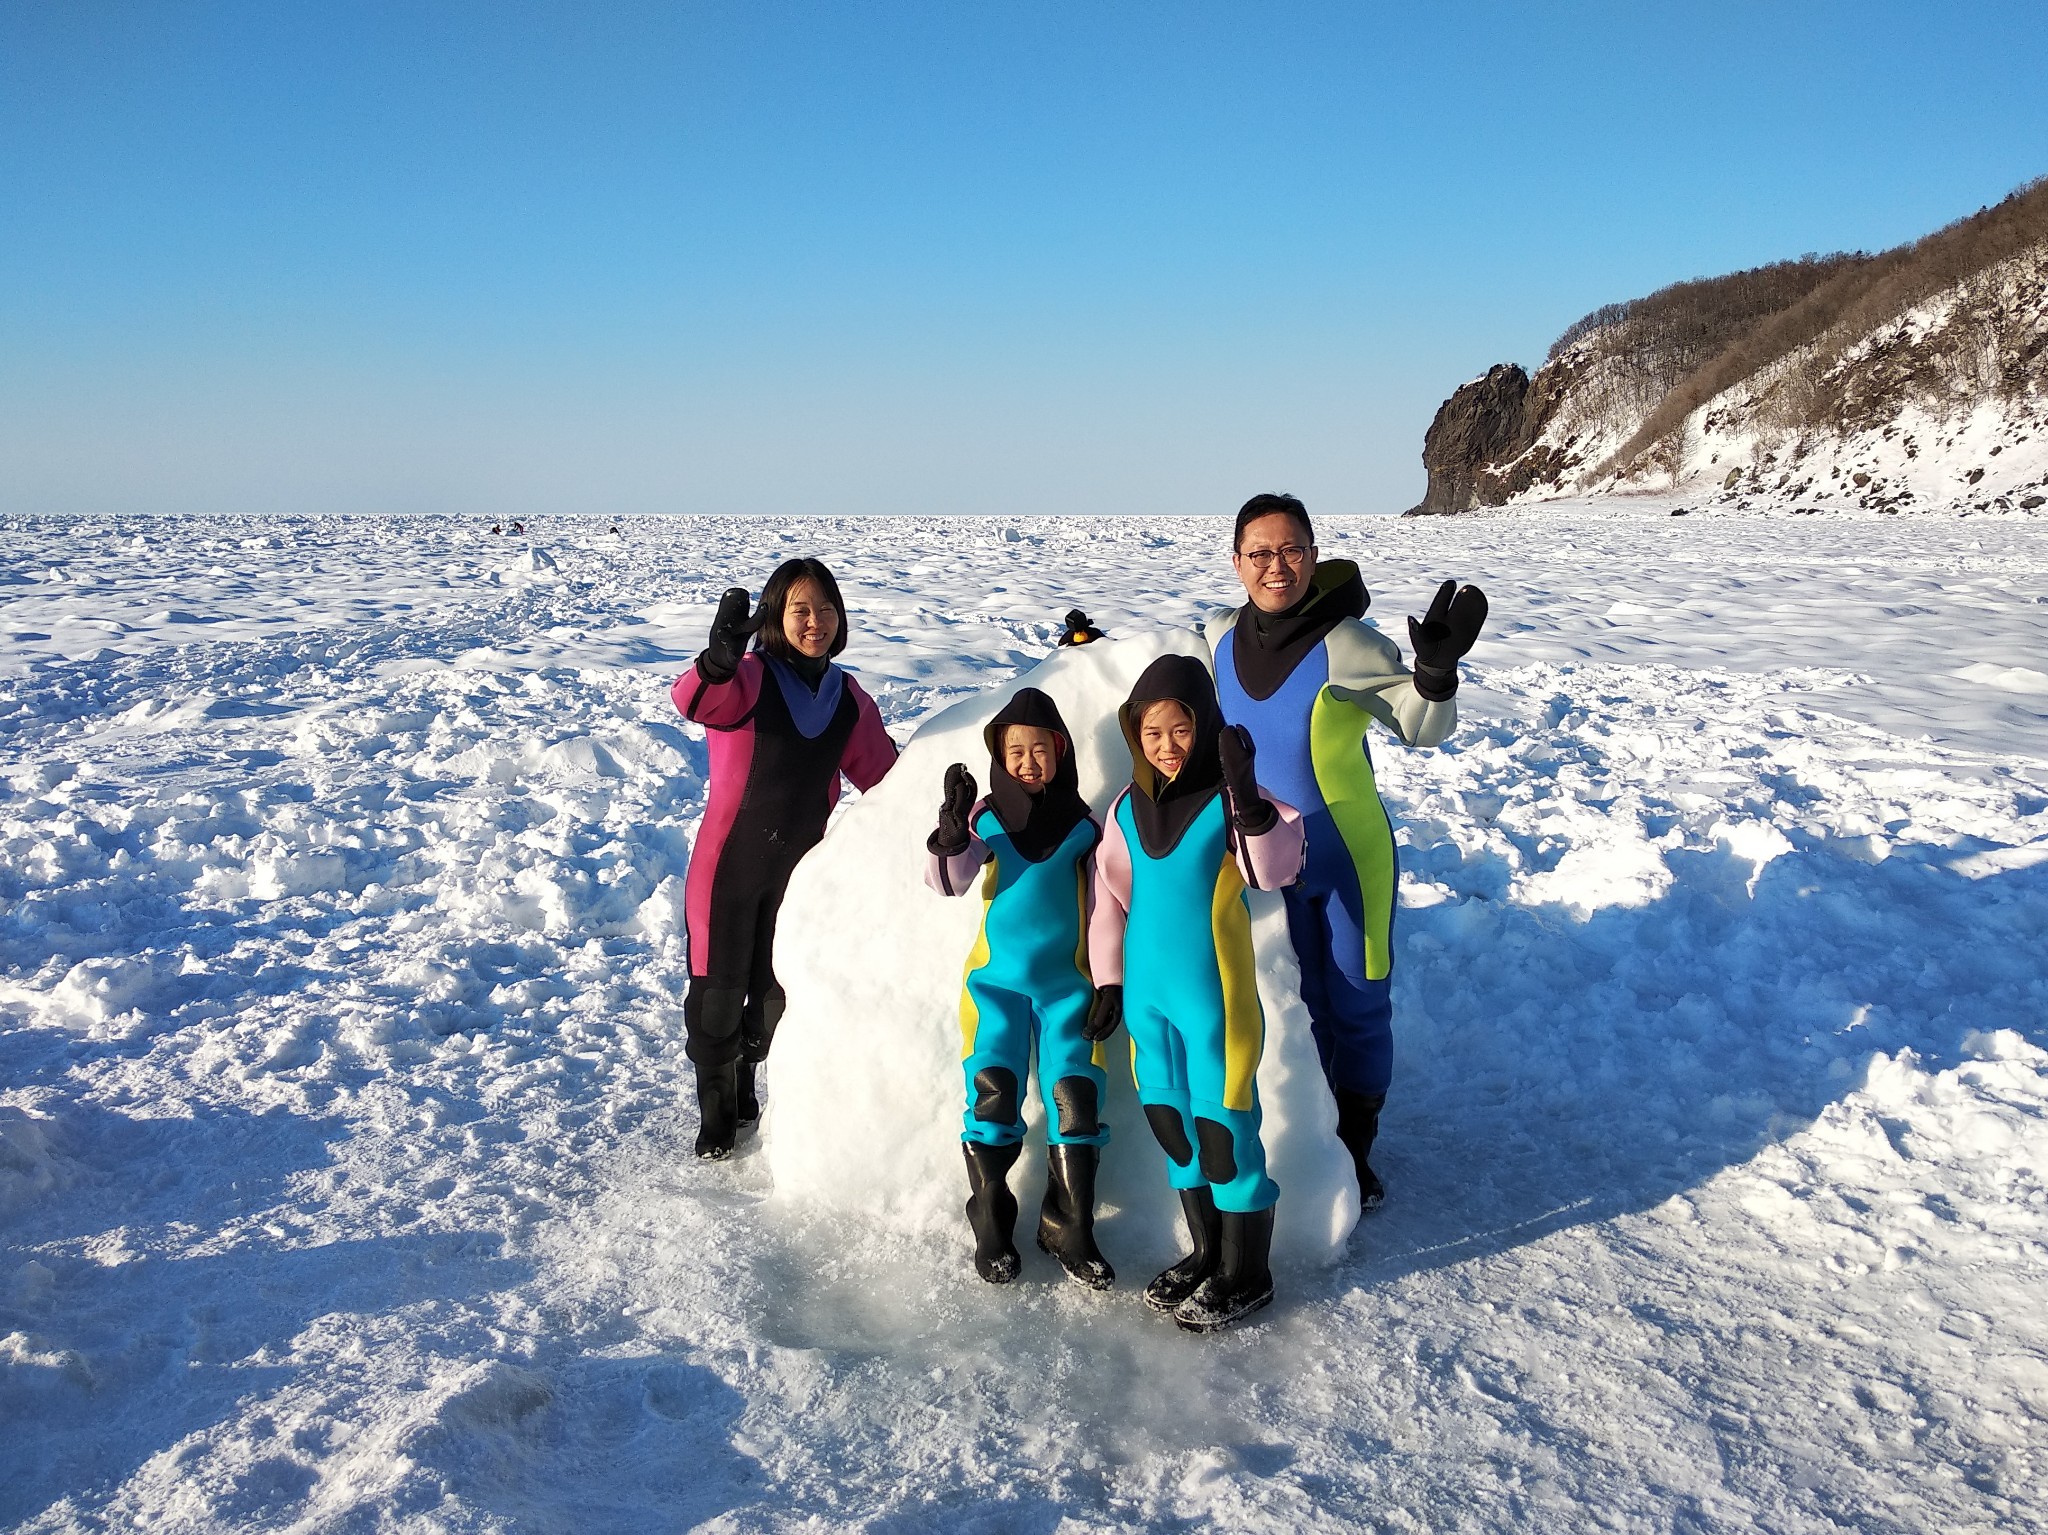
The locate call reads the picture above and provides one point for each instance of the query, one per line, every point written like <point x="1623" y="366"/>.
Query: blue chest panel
<point x="1173" y="898"/>
<point x="1279" y="725"/>
<point x="1033" y="917"/>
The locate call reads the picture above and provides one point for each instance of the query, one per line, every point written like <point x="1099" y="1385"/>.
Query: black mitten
<point x="1105" y="1013"/>
<point x="952" y="835"/>
<point x="729" y="631"/>
<point x="1443" y="635"/>
<point x="1254" y="812"/>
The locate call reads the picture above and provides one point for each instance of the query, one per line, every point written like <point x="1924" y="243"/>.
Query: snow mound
<point x="865" y="1091"/>
<point x="2013" y="679"/>
<point x="29" y="1167"/>
<point x="534" y="565"/>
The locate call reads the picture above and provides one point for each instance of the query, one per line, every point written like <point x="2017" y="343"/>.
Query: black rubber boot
<point x="717" y="1109"/>
<point x="711" y="1019"/>
<point x="1358" y="1124"/>
<point x="746" y="1099"/>
<point x="1066" y="1220"/>
<point x="1205" y="1231"/>
<point x="992" y="1210"/>
<point x="1242" y="1283"/>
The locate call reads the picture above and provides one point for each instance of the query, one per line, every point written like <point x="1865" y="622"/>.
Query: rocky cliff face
<point x="1478" y="450"/>
<point x="1915" y="378"/>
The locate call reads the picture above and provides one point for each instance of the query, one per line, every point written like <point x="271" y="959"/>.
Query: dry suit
<point x="1172" y="925"/>
<point x="1308" y="683"/>
<point x="1026" y="988"/>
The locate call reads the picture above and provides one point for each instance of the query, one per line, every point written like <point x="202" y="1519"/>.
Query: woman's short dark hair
<point x="775" y="597"/>
<point x="1266" y="506"/>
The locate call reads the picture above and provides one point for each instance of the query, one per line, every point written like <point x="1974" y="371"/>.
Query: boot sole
<point x="1165" y="1307"/>
<point x="1108" y="1283"/>
<point x="1218" y="1324"/>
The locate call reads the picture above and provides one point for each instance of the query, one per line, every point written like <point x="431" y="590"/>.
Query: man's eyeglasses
<point x="1287" y="554"/>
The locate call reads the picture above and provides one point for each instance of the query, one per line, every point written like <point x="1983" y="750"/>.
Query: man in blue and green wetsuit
<point x="1027" y="989"/>
<point x="1297" y="668"/>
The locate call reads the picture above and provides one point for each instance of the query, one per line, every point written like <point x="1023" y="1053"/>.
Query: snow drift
<point x="864" y="1088"/>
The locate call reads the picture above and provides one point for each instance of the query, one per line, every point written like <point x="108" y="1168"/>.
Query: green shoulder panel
<point x="1366" y="670"/>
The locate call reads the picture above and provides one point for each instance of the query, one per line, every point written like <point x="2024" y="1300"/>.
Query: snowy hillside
<point x="1916" y="380"/>
<point x="344" y="1122"/>
<point x="1902" y="449"/>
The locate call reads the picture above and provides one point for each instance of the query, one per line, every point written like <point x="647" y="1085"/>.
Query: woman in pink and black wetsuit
<point x="784" y="724"/>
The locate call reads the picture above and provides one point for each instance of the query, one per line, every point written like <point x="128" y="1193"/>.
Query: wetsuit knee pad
<point x="711" y="1023"/>
<point x="758" y="1023"/>
<point x="1219" y="1150"/>
<point x="1074" y="1098"/>
<point x="1170" y="1131"/>
<point x="995" y="1095"/>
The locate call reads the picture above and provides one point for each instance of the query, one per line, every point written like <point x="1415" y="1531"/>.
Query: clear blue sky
<point x="586" y="257"/>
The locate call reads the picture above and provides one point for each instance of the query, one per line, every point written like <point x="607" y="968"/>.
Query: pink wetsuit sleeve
<point x="1273" y="857"/>
<point x="869" y="752"/>
<point x="1109" y="905"/>
<point x="719" y="705"/>
<point x="955" y="875"/>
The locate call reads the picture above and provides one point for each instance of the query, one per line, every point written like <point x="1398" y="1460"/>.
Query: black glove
<point x="1104" y="1014"/>
<point x="1254" y="812"/>
<point x="952" y="835"/>
<point x="1443" y="635"/>
<point x="729" y="631"/>
<point x="1079" y="630"/>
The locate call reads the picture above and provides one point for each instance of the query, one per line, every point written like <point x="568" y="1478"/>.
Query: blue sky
<point x="853" y="258"/>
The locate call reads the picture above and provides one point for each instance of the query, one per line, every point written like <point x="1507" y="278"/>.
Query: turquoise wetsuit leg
<point x="1180" y="1066"/>
<point x="1065" y="1059"/>
<point x="998" y="1065"/>
<point x="1159" y="1062"/>
<point x="1229" y="1149"/>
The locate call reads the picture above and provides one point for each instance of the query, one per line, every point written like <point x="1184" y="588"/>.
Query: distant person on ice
<point x="1027" y="990"/>
<point x="784" y="724"/>
<point x="1297" y="669"/>
<point x="1170" y="946"/>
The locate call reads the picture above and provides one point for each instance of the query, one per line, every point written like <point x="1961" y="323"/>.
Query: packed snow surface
<point x="344" y="1121"/>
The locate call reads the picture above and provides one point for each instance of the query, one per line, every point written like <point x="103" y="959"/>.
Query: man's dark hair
<point x="1266" y="506"/>
<point x="775" y="597"/>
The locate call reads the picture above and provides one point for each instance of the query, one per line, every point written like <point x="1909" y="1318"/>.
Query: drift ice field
<point x="344" y="1123"/>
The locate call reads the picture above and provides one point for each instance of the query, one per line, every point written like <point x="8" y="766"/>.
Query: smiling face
<point x="1166" y="734"/>
<point x="1030" y="754"/>
<point x="1275" y="561"/>
<point x="809" y="621"/>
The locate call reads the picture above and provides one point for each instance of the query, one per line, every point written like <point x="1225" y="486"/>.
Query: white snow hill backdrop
<point x="345" y="1129"/>
<point x="866" y="1098"/>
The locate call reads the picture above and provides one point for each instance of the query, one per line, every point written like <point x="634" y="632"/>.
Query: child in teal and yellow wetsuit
<point x="1170" y="947"/>
<point x="1027" y="989"/>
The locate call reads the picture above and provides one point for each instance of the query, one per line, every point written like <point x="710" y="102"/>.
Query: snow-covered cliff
<point x="1912" y="380"/>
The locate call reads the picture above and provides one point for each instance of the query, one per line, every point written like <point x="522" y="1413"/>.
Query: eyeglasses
<point x="1287" y="554"/>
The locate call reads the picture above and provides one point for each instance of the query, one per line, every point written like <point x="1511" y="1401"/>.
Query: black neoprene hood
<point x="1037" y="823"/>
<point x="1165" y="810"/>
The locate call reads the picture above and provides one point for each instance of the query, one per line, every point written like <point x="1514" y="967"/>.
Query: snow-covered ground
<point x="343" y="1115"/>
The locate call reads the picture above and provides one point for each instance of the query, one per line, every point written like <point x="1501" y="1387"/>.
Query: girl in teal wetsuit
<point x="1027" y="989"/>
<point x="1170" y="947"/>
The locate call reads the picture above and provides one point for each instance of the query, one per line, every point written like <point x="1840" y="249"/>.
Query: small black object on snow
<point x="1079" y="630"/>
